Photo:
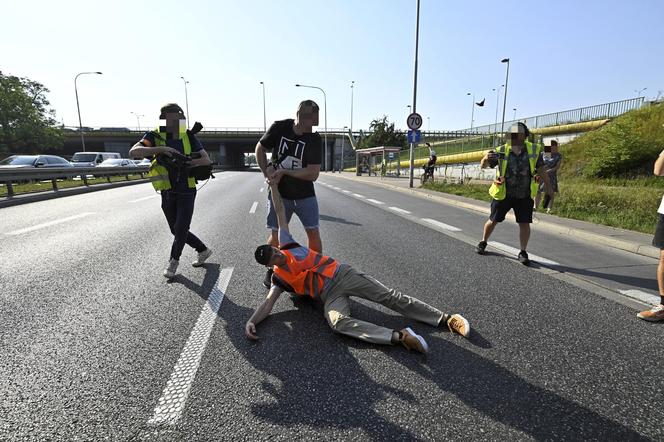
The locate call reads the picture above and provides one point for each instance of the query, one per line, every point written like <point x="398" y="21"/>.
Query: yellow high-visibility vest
<point x="158" y="174"/>
<point x="497" y="189"/>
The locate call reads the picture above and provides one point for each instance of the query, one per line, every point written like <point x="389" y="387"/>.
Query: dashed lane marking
<point x="514" y="251"/>
<point x="357" y="195"/>
<point x="144" y="198"/>
<point x="441" y="225"/>
<point x="641" y="296"/>
<point x="253" y="207"/>
<point x="172" y="401"/>
<point x="397" y="209"/>
<point x="49" y="224"/>
<point x="375" y="201"/>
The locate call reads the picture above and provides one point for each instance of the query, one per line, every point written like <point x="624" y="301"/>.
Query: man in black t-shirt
<point x="295" y="165"/>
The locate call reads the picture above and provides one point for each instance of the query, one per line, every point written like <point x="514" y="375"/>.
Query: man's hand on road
<point x="250" y="331"/>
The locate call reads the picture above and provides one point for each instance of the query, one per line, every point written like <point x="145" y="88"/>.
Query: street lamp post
<point x="78" y="107"/>
<point x="514" y="118"/>
<point x="341" y="167"/>
<point x="495" y="122"/>
<point x="472" y="113"/>
<point x="352" y="87"/>
<point x="138" y="119"/>
<point x="428" y="124"/>
<point x="325" y="107"/>
<point x="639" y="92"/>
<point x="264" y="119"/>
<point x="507" y="76"/>
<point x="186" y="98"/>
<point x="417" y="44"/>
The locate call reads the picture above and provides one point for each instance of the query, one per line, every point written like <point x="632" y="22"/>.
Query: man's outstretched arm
<point x="279" y="208"/>
<point x="262" y="312"/>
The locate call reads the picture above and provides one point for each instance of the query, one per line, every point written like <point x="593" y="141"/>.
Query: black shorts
<point x="523" y="209"/>
<point x="658" y="239"/>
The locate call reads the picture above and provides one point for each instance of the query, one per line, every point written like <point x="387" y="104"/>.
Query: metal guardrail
<point x="589" y="113"/>
<point x="10" y="176"/>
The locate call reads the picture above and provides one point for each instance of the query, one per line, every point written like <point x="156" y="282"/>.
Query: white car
<point x="117" y="162"/>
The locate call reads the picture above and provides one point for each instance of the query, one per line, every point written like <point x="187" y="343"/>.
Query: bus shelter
<point x="365" y="159"/>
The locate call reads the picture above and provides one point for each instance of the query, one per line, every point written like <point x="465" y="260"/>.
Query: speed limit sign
<point x="414" y="121"/>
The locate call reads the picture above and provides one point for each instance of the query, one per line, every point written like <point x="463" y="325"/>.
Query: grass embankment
<point x="45" y="186"/>
<point x="606" y="175"/>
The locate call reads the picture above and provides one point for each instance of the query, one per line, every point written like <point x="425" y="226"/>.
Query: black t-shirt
<point x="292" y="151"/>
<point x="178" y="181"/>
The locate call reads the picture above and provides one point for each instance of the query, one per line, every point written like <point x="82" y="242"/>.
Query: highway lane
<point x="602" y="266"/>
<point x="91" y="333"/>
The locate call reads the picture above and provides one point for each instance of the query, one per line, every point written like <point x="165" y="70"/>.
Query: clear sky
<point x="564" y="54"/>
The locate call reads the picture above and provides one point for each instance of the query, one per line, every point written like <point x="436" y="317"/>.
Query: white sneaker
<point x="202" y="256"/>
<point x="172" y="268"/>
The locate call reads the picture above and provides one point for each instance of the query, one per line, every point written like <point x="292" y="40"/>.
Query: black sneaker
<point x="523" y="258"/>
<point x="267" y="282"/>
<point x="481" y="248"/>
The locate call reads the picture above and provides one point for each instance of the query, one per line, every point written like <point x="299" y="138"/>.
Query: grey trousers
<point x="349" y="282"/>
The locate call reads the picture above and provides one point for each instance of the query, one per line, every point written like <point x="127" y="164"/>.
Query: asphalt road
<point x="93" y="339"/>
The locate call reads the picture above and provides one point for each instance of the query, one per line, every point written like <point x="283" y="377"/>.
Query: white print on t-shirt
<point x="291" y="153"/>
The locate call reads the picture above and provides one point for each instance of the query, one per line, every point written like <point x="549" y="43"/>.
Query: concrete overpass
<point x="225" y="146"/>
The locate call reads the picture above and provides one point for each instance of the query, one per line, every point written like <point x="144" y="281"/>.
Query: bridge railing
<point x="9" y="177"/>
<point x="589" y="113"/>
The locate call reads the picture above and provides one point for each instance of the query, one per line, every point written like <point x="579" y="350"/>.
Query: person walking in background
<point x="552" y="161"/>
<point x="657" y="312"/>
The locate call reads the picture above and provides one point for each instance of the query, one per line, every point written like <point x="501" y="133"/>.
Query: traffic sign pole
<point x="414" y="122"/>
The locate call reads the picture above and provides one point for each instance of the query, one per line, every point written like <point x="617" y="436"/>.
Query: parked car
<point x="117" y="162"/>
<point x="143" y="162"/>
<point x="23" y="161"/>
<point x="92" y="159"/>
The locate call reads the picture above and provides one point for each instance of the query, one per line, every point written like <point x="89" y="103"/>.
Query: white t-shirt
<point x="661" y="207"/>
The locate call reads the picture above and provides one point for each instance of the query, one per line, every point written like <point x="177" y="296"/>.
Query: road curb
<point x="596" y="238"/>
<point x="49" y="195"/>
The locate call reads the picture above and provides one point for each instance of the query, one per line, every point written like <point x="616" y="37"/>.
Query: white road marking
<point x="336" y="188"/>
<point x="375" y="201"/>
<point x="262" y="189"/>
<point x="49" y="224"/>
<point x="641" y="296"/>
<point x="172" y="401"/>
<point x="514" y="251"/>
<point x="443" y="226"/>
<point x="144" y="198"/>
<point x="253" y="207"/>
<point x="346" y="191"/>
<point x="357" y="195"/>
<point x="396" y="209"/>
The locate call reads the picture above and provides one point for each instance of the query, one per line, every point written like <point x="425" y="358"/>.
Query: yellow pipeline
<point x="586" y="126"/>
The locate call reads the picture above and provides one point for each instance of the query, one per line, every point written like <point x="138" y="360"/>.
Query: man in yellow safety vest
<point x="520" y="165"/>
<point x="178" y="190"/>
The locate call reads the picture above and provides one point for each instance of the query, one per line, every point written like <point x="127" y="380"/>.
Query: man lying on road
<point x="304" y="272"/>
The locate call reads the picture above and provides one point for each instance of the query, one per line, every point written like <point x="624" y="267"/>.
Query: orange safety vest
<point x="306" y="277"/>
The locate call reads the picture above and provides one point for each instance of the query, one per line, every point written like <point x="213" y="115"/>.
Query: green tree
<point x="383" y="133"/>
<point x="27" y="124"/>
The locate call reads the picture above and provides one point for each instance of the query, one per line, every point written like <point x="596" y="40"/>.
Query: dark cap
<point x="170" y="108"/>
<point x="263" y="254"/>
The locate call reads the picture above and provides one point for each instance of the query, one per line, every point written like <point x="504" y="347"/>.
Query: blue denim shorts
<point x="306" y="209"/>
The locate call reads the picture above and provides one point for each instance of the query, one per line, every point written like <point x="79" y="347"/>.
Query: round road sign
<point x="414" y="121"/>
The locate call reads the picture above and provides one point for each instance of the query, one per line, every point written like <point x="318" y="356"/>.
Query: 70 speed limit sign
<point x="414" y="121"/>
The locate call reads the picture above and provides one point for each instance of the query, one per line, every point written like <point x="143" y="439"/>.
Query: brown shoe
<point x="653" y="315"/>
<point x="413" y="341"/>
<point x="459" y="324"/>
